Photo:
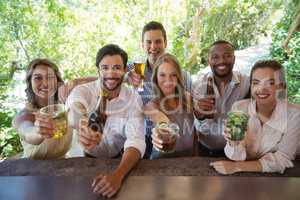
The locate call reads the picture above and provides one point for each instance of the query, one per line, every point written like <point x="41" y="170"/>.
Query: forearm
<point x="130" y="158"/>
<point x="155" y="115"/>
<point x="248" y="166"/>
<point x="34" y="139"/>
<point x="30" y="134"/>
<point x="78" y="81"/>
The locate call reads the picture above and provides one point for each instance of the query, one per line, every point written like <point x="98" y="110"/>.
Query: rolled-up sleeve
<point x="281" y="159"/>
<point x="235" y="152"/>
<point x="275" y="162"/>
<point x="79" y="94"/>
<point x="134" y="129"/>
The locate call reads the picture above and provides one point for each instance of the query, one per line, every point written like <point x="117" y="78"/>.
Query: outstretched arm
<point x="108" y="185"/>
<point x="231" y="167"/>
<point x="24" y="124"/>
<point x="151" y="110"/>
<point x="65" y="89"/>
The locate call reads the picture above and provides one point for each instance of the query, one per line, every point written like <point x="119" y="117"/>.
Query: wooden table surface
<point x="82" y="166"/>
<point x="152" y="188"/>
<point x="180" y="178"/>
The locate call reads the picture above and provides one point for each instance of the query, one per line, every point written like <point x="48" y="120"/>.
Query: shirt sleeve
<point x="134" y="128"/>
<point x="79" y="94"/>
<point x="235" y="152"/>
<point x="281" y="159"/>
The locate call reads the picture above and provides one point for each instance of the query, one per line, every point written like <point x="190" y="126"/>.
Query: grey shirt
<point x="185" y="139"/>
<point x="210" y="130"/>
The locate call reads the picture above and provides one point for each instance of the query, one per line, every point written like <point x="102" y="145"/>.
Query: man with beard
<point x="123" y="132"/>
<point x="228" y="86"/>
<point x="154" y="43"/>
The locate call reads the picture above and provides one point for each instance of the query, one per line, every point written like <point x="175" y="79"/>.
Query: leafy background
<point x="70" y="32"/>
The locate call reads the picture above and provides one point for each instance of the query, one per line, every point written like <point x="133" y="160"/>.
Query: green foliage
<point x="290" y="59"/>
<point x="240" y="22"/>
<point x="10" y="143"/>
<point x="71" y="32"/>
<point x="9" y="139"/>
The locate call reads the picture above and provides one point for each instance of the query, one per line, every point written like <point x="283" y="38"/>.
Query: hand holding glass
<point x="168" y="134"/>
<point x="139" y="68"/>
<point x="237" y="122"/>
<point x="58" y="113"/>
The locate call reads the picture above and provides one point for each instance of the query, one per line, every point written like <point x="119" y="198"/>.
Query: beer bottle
<point x="98" y="117"/>
<point x="210" y="94"/>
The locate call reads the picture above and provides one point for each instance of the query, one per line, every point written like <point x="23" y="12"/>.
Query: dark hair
<point x="273" y="64"/>
<point x="153" y="25"/>
<point x="111" y="49"/>
<point x="29" y="91"/>
<point x="221" y="42"/>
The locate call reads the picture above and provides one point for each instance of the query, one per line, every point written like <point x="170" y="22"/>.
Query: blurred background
<point x="70" y="32"/>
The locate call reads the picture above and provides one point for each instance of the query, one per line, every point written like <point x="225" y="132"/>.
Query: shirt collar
<point x="278" y="118"/>
<point x="122" y="95"/>
<point x="236" y="77"/>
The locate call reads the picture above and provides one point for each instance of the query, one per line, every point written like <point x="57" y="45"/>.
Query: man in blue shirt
<point x="154" y="43"/>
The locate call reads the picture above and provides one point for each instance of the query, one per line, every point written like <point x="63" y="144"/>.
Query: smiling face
<point x="154" y="45"/>
<point x="221" y="60"/>
<point x="263" y="87"/>
<point x="111" y="72"/>
<point x="167" y="78"/>
<point x="44" y="82"/>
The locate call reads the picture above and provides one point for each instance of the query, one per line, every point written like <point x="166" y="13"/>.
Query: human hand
<point x="45" y="125"/>
<point x="88" y="138"/>
<point x="204" y="106"/>
<point x="107" y="185"/>
<point x="134" y="78"/>
<point x="225" y="167"/>
<point x="156" y="141"/>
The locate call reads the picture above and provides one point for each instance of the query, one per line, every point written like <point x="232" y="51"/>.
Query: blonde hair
<point x="180" y="90"/>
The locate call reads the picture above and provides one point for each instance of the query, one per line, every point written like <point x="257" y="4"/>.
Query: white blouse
<point x="274" y="143"/>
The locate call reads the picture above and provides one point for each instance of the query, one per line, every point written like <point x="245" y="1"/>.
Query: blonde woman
<point x="172" y="104"/>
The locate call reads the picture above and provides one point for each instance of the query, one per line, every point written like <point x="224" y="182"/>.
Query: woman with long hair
<point x="44" y="87"/>
<point x="172" y="104"/>
<point x="272" y="136"/>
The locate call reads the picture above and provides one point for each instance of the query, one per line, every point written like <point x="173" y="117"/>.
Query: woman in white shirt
<point x="44" y="87"/>
<point x="270" y="143"/>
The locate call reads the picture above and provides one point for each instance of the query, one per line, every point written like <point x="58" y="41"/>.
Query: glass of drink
<point x="168" y="134"/>
<point x="139" y="68"/>
<point x="59" y="115"/>
<point x="237" y="121"/>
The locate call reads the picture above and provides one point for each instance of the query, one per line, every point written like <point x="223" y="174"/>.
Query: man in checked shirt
<point x="154" y="43"/>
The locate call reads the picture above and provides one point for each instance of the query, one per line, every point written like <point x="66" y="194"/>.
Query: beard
<point x="108" y="88"/>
